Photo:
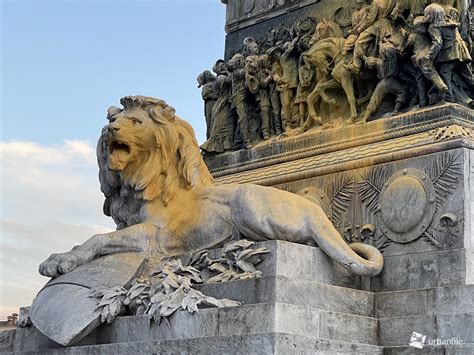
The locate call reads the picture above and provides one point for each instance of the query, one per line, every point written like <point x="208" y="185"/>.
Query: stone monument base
<point x="304" y="303"/>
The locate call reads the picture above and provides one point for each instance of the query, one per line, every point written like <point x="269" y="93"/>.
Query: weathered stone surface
<point x="344" y="327"/>
<point x="401" y="303"/>
<point x="457" y="299"/>
<point x="64" y="311"/>
<point x="397" y="331"/>
<point x="348" y="145"/>
<point x="283" y="290"/>
<point x="465" y="349"/>
<point x="422" y="270"/>
<point x="26" y="339"/>
<point x="268" y="343"/>
<point x="248" y="319"/>
<point x="301" y="262"/>
<point x="322" y="317"/>
<point x="444" y="300"/>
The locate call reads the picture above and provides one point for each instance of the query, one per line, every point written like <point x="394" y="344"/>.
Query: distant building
<point x="10" y="322"/>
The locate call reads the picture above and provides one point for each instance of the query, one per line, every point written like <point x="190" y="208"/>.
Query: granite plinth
<point x="289" y="310"/>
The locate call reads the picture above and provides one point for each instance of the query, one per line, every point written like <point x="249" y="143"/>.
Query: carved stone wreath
<point x="407" y="205"/>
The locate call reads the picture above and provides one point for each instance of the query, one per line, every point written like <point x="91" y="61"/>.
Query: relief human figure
<point x="239" y="96"/>
<point x="275" y="100"/>
<point x="448" y="49"/>
<point x="285" y="74"/>
<point x="251" y="47"/>
<point x="418" y="43"/>
<point x="359" y="17"/>
<point x="408" y="10"/>
<point x="258" y="78"/>
<point x="223" y="129"/>
<point x="375" y="28"/>
<point x="307" y="82"/>
<point x="387" y="70"/>
<point x="206" y="81"/>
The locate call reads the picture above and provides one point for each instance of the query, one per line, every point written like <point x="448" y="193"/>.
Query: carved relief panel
<point x="404" y="206"/>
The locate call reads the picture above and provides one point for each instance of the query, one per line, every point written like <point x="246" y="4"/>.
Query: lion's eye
<point x="136" y="121"/>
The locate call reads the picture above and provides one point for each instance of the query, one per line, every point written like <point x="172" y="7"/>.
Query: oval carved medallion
<point x="407" y="204"/>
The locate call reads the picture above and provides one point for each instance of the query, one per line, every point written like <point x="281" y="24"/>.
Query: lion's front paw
<point x="58" y="264"/>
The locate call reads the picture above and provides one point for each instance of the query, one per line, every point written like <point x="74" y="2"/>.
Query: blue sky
<point x="63" y="63"/>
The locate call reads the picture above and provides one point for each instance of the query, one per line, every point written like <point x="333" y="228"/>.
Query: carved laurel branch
<point x="171" y="287"/>
<point x="369" y="190"/>
<point x="341" y="193"/>
<point x="371" y="187"/>
<point x="444" y="174"/>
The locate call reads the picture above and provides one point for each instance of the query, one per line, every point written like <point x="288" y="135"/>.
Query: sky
<point x="63" y="63"/>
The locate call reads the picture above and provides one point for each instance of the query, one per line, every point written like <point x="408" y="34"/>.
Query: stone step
<point x="298" y="292"/>
<point x="266" y="343"/>
<point x="397" y="331"/>
<point x="24" y="339"/>
<point x="464" y="349"/>
<point x="442" y="300"/>
<point x="246" y="319"/>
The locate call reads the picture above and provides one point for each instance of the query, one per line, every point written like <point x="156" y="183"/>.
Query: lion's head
<point x="146" y="153"/>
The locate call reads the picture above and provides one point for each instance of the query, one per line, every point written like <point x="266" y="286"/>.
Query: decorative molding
<point x="403" y="206"/>
<point x="429" y="121"/>
<point x="451" y="132"/>
<point x="244" y="13"/>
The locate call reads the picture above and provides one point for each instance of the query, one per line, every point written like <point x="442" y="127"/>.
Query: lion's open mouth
<point x="119" y="147"/>
<point x="119" y="155"/>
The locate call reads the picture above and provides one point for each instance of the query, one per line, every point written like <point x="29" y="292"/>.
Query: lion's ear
<point x="156" y="117"/>
<point x="163" y="114"/>
<point x="113" y="111"/>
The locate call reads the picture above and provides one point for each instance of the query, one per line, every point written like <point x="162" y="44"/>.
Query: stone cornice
<point x="244" y="13"/>
<point x="302" y="154"/>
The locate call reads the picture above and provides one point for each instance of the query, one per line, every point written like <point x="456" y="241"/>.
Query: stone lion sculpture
<point x="162" y="197"/>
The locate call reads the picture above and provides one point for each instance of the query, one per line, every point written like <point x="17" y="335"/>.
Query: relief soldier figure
<point x="206" y="81"/>
<point x="223" y="129"/>
<point x="418" y="44"/>
<point x="374" y="29"/>
<point x="387" y="69"/>
<point x="285" y="74"/>
<point x="266" y="68"/>
<point x="258" y="78"/>
<point x="315" y="55"/>
<point x="408" y="10"/>
<point x="358" y="22"/>
<point x="306" y="85"/>
<point x="239" y="96"/>
<point x="448" y="49"/>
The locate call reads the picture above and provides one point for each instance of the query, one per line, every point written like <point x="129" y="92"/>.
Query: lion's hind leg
<point x="263" y="213"/>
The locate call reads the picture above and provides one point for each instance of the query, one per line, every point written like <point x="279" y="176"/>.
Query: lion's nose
<point x="113" y="129"/>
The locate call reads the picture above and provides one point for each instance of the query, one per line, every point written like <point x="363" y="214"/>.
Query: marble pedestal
<point x="303" y="304"/>
<point x="306" y="304"/>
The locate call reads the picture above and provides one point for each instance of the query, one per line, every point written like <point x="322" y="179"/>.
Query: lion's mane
<point x="174" y="163"/>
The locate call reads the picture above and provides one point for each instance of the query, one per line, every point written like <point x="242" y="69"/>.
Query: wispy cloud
<point x="51" y="201"/>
